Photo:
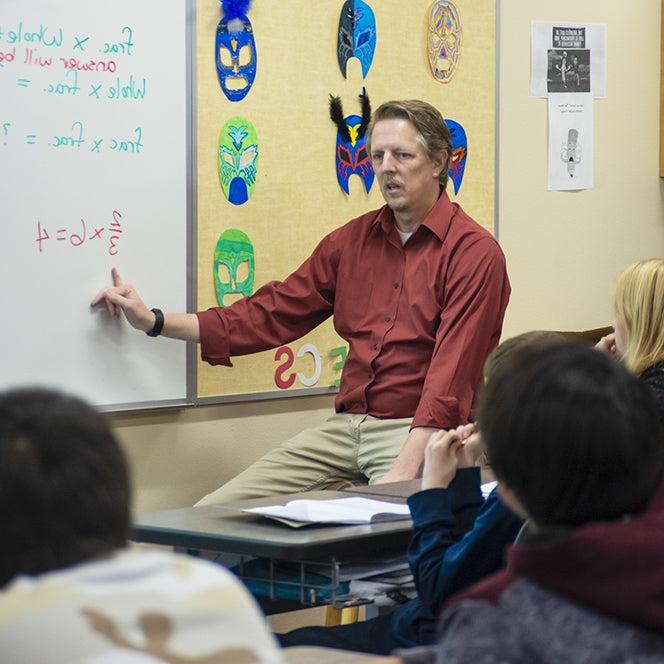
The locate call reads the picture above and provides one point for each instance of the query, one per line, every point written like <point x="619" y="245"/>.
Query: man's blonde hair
<point x="639" y="307"/>
<point x="432" y="131"/>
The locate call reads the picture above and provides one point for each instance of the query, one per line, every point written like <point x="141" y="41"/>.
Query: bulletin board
<point x="296" y="199"/>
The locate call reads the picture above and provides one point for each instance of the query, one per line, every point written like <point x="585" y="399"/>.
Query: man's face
<point x="408" y="179"/>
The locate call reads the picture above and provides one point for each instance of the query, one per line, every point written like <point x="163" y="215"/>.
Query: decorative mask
<point x="234" y="265"/>
<point x="351" y="152"/>
<point x="235" y="50"/>
<point x="459" y="153"/>
<point x="357" y="35"/>
<point x="444" y="43"/>
<point x="238" y="160"/>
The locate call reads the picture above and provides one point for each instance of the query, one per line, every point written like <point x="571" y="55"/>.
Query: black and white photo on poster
<point x="568" y="70"/>
<point x="551" y="42"/>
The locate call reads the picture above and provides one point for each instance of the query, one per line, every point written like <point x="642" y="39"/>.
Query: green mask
<point x="233" y="252"/>
<point x="238" y="160"/>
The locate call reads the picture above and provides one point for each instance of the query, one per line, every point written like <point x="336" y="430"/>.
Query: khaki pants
<point x="345" y="449"/>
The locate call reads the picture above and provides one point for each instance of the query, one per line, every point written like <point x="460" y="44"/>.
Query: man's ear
<point x="440" y="163"/>
<point x="509" y="498"/>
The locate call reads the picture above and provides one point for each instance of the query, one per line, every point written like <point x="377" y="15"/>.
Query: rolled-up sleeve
<point x="278" y="313"/>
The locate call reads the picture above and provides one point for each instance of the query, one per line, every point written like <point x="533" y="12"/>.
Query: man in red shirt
<point x="416" y="288"/>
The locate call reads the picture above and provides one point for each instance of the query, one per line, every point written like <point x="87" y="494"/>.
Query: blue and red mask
<point x="459" y="153"/>
<point x="235" y="50"/>
<point x="351" y="152"/>
<point x="357" y="35"/>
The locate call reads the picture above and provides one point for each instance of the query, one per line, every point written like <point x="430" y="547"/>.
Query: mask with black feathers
<point x="351" y="151"/>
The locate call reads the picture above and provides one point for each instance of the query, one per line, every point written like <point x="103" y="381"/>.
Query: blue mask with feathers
<point x="351" y="151"/>
<point x="235" y="50"/>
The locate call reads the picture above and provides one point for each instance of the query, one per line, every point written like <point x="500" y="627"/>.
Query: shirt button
<point x="396" y="284"/>
<point x="388" y="319"/>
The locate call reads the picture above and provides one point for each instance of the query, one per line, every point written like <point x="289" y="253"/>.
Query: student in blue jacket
<point x="458" y="539"/>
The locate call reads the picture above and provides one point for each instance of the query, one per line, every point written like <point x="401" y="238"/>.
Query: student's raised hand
<point x="607" y="345"/>
<point x="125" y="298"/>
<point x="441" y="459"/>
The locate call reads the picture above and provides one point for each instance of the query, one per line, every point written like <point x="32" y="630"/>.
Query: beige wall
<point x="563" y="249"/>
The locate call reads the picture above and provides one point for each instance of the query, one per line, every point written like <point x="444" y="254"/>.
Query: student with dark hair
<point x="458" y="538"/>
<point x="70" y="590"/>
<point x="576" y="443"/>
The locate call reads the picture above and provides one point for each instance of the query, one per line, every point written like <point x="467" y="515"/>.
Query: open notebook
<point x="339" y="510"/>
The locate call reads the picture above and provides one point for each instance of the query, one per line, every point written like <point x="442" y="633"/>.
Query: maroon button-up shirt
<point x="419" y="318"/>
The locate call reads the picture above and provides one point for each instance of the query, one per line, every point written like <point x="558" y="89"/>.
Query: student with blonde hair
<point x="638" y="336"/>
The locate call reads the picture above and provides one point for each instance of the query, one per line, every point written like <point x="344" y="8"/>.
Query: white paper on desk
<point x="339" y="510"/>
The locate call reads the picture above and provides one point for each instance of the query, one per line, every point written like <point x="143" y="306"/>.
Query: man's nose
<point x="387" y="164"/>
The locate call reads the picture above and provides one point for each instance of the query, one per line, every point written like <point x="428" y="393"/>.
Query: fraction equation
<point x="82" y="233"/>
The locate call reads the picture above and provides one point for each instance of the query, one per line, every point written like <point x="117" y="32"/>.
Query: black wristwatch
<point x="158" y="323"/>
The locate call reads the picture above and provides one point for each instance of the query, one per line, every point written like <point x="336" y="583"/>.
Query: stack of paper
<point x="340" y="510"/>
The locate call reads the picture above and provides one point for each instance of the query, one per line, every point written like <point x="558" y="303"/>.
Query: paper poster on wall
<point x="570" y="141"/>
<point x="568" y="58"/>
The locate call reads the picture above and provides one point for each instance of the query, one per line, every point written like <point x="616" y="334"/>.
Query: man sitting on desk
<point x="417" y="289"/>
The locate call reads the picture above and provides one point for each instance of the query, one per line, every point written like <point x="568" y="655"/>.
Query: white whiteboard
<point x="93" y="153"/>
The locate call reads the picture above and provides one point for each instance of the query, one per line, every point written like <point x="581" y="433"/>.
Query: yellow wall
<point x="563" y="249"/>
<point x="288" y="106"/>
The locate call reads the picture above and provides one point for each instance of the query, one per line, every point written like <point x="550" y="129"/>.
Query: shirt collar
<point x="437" y="220"/>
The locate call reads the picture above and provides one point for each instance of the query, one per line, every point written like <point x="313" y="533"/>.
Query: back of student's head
<point x="534" y="339"/>
<point x="639" y="308"/>
<point x="573" y="434"/>
<point x="64" y="486"/>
